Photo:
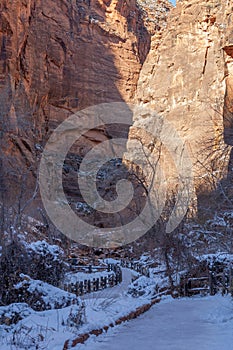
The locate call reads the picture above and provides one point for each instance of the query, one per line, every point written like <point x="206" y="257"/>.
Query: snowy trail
<point x="113" y="292"/>
<point x="185" y="324"/>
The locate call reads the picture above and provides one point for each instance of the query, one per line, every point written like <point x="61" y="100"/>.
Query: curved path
<point x="185" y="324"/>
<point x="113" y="292"/>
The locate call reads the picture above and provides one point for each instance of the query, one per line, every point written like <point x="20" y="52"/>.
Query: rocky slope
<point x="187" y="79"/>
<point x="58" y="57"/>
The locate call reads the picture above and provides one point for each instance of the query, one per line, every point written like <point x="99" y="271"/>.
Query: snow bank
<point x="148" y="287"/>
<point x="221" y="258"/>
<point x="12" y="314"/>
<point x="43" y="296"/>
<point x="43" y="248"/>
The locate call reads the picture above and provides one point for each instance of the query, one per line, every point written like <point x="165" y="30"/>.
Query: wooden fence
<point x="212" y="283"/>
<point x="215" y="281"/>
<point x="136" y="266"/>
<point x="95" y="284"/>
<point x="84" y="268"/>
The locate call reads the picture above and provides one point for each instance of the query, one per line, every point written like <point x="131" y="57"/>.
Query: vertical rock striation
<point x="57" y="57"/>
<point x="187" y="79"/>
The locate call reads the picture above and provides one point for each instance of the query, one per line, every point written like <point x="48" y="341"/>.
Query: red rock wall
<point x="57" y="57"/>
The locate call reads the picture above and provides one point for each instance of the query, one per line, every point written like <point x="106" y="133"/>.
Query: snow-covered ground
<point x="203" y="323"/>
<point x="114" y="292"/>
<point x="50" y="329"/>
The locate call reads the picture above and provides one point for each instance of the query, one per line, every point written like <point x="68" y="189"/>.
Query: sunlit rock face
<point x="187" y="79"/>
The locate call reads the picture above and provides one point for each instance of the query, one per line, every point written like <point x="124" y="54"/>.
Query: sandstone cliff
<point x="58" y="57"/>
<point x="187" y="79"/>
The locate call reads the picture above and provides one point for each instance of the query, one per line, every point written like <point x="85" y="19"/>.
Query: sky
<point x="173" y="2"/>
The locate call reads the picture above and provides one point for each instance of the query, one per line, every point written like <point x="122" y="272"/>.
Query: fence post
<point x="89" y="286"/>
<point x="101" y="282"/>
<point x="231" y="280"/>
<point x="77" y="289"/>
<point x="211" y="283"/>
<point x="84" y="286"/>
<point x="109" y="280"/>
<point x="81" y="288"/>
<point x="116" y="278"/>
<point x="223" y="283"/>
<point x="92" y="286"/>
<point x="186" y="286"/>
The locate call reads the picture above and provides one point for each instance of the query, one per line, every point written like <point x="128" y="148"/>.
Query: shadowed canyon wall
<point x="57" y="57"/>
